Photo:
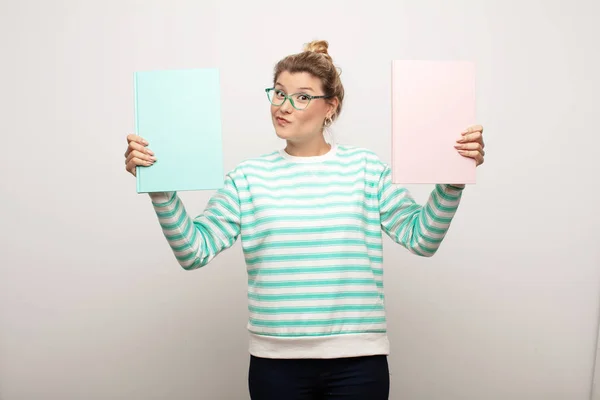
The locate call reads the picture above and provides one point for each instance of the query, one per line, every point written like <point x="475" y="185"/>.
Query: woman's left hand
<point x="471" y="144"/>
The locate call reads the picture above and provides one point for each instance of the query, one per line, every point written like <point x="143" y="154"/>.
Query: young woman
<point x="310" y="218"/>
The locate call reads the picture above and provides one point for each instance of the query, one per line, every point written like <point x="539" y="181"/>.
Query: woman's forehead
<point x="298" y="81"/>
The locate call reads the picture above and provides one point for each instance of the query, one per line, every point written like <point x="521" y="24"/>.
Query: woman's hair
<point x="316" y="61"/>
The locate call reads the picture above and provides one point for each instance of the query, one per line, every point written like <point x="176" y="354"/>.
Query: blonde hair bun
<point x="318" y="46"/>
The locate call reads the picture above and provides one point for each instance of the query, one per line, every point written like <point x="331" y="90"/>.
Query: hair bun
<point x="318" y="46"/>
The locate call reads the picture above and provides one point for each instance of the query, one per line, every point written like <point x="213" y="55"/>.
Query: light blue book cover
<point x="179" y="113"/>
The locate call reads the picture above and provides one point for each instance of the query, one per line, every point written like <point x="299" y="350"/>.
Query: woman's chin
<point x="283" y="133"/>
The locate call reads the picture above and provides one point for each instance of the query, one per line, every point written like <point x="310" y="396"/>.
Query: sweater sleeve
<point x="419" y="228"/>
<point x="196" y="241"/>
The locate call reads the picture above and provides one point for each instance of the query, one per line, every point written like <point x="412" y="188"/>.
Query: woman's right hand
<point x="137" y="153"/>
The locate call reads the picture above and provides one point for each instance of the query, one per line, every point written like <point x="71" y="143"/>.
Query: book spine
<point x="392" y="117"/>
<point x="136" y="122"/>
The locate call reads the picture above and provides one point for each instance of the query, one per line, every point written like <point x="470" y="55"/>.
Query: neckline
<point x="310" y="159"/>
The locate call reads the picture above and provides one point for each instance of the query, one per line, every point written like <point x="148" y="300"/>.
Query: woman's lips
<point x="282" y="121"/>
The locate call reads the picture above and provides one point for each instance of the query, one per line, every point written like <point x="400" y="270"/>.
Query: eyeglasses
<point x="298" y="100"/>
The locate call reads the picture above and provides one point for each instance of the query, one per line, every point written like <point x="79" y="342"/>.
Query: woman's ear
<point x="333" y="105"/>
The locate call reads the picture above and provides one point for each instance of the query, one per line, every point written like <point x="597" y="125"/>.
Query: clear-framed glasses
<point x="298" y="100"/>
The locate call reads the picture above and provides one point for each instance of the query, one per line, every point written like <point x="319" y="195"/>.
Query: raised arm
<point x="419" y="228"/>
<point x="196" y="241"/>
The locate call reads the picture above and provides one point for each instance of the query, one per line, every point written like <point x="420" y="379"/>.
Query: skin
<point x="303" y="129"/>
<point x="470" y="144"/>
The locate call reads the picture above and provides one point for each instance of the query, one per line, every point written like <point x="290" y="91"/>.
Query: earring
<point x="328" y="121"/>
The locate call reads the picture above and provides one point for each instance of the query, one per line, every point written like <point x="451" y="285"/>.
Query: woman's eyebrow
<point x="302" y="88"/>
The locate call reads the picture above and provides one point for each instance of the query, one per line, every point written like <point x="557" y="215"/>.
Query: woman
<point x="310" y="218"/>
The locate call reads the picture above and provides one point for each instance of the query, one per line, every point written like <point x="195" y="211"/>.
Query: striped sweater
<point x="311" y="233"/>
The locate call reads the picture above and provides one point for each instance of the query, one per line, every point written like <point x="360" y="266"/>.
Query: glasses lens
<point x="301" y="101"/>
<point x="276" y="97"/>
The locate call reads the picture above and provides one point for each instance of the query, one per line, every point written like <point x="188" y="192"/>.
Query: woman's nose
<point x="286" y="106"/>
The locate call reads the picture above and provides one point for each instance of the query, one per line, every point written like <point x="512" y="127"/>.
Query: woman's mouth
<point x="282" y="121"/>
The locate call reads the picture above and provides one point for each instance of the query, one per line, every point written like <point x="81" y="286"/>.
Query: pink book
<point x="432" y="103"/>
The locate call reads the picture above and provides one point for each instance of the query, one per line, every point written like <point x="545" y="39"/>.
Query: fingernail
<point x="150" y="152"/>
<point x="145" y="141"/>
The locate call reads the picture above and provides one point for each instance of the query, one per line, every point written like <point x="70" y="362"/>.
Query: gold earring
<point x="328" y="121"/>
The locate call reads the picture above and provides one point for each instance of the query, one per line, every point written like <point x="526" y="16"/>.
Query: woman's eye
<point x="279" y="93"/>
<point x="303" y="97"/>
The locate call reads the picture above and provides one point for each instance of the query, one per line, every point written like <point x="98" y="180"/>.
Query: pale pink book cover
<point x="432" y="103"/>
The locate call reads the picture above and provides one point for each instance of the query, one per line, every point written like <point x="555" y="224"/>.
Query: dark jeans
<point x="358" y="378"/>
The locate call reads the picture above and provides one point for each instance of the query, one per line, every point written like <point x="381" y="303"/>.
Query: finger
<point x="140" y="148"/>
<point x="468" y="146"/>
<point x="473" y="128"/>
<point x="476" y="155"/>
<point x="471" y="137"/>
<point x="134" y="146"/>
<point x="469" y="153"/>
<point x="137" y="143"/>
<point x="136" y="139"/>
<point x="140" y="155"/>
<point x="134" y="162"/>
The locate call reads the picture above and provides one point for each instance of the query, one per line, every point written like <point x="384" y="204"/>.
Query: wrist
<point x="458" y="186"/>
<point x="161" y="198"/>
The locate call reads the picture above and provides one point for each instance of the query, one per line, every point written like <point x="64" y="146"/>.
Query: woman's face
<point x="300" y="125"/>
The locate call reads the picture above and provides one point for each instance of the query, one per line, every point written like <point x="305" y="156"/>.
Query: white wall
<point x="93" y="304"/>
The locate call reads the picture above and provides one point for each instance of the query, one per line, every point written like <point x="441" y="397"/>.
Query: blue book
<point x="179" y="113"/>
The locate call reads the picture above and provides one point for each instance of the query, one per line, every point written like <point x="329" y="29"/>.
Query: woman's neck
<point x="317" y="147"/>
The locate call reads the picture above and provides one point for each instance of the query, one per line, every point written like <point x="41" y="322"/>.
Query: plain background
<point x="94" y="306"/>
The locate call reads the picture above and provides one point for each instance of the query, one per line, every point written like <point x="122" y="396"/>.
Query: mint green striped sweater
<point x="311" y="233"/>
